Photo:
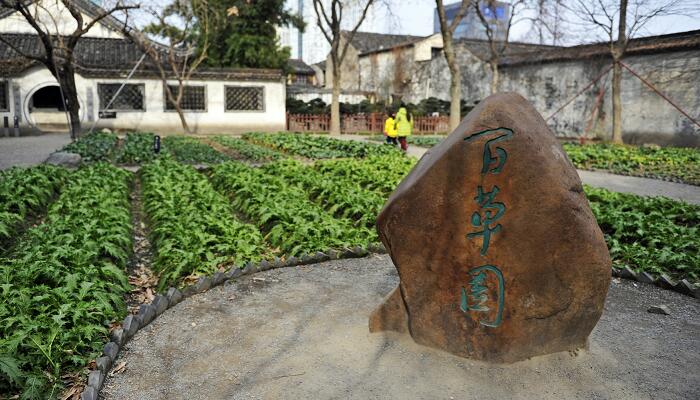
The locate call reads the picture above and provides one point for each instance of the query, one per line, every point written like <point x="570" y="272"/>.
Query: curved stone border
<point x="663" y="281"/>
<point x="148" y="312"/>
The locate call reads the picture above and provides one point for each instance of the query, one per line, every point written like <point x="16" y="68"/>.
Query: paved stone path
<point x="616" y="183"/>
<point x="301" y="333"/>
<point x="30" y="150"/>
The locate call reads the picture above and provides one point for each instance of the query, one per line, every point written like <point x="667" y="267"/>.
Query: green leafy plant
<point x="64" y="282"/>
<point x="98" y="146"/>
<point x="666" y="162"/>
<point x="378" y="173"/>
<point x="291" y="221"/>
<point x="192" y="227"/>
<point x="416" y="140"/>
<point x="137" y="149"/>
<point x="189" y="150"/>
<point x="652" y="234"/>
<point x="248" y="151"/>
<point x="25" y="192"/>
<point x="316" y="147"/>
<point x="338" y="195"/>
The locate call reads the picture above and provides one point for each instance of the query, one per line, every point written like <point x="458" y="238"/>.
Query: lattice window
<point x="245" y="98"/>
<point x="130" y="98"/>
<point x="194" y="98"/>
<point x="4" y="103"/>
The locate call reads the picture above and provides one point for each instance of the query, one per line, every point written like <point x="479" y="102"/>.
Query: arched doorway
<point x="46" y="110"/>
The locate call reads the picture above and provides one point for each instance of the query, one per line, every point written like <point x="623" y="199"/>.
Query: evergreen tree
<point x="243" y="33"/>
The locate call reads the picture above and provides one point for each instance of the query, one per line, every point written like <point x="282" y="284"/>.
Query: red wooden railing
<point x="361" y="123"/>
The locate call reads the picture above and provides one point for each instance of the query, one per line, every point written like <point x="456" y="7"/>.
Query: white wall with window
<point x="211" y="106"/>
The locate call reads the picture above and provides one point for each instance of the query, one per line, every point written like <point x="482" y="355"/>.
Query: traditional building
<point x="215" y="100"/>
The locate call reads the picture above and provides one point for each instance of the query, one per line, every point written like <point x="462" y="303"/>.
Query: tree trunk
<point x="455" y="99"/>
<point x="618" y="50"/>
<point x="455" y="83"/>
<point x="494" y="76"/>
<point x="335" y="102"/>
<point x="183" y="120"/>
<point x="66" y="79"/>
<point x="616" y="103"/>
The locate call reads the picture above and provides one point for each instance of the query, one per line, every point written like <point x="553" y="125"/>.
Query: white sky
<point x="415" y="17"/>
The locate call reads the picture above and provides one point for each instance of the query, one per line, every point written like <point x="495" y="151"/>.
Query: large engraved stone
<point x="499" y="255"/>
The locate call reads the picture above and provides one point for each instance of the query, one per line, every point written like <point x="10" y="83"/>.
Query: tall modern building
<point x="496" y="14"/>
<point x="310" y="45"/>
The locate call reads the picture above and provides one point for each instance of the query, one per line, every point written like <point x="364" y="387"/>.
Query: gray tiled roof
<point x="300" y="67"/>
<point x="368" y="42"/>
<point x="108" y="58"/>
<point x="650" y="44"/>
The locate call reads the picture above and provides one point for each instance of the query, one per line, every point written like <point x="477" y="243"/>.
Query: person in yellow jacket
<point x="404" y="126"/>
<point x="390" y="130"/>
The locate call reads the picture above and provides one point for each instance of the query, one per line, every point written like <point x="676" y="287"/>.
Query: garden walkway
<point x="616" y="183"/>
<point x="302" y="332"/>
<point x="30" y="150"/>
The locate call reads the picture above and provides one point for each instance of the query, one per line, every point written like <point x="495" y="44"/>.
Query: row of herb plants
<point x="652" y="234"/>
<point x="665" y="162"/>
<point x="339" y="195"/>
<point x="291" y="221"/>
<point x="191" y="151"/>
<point x="64" y="282"/>
<point x="26" y="192"/>
<point x="416" y="140"/>
<point x="97" y="146"/>
<point x="378" y="173"/>
<point x="192" y="227"/>
<point x="248" y="151"/>
<point x="137" y="148"/>
<point x="317" y="147"/>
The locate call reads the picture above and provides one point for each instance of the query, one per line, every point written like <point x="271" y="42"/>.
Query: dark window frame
<point x="6" y="94"/>
<point x="175" y="87"/>
<point x="112" y="108"/>
<point x="262" y="99"/>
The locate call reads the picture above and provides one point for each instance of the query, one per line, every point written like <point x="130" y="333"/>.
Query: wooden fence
<point x="363" y="123"/>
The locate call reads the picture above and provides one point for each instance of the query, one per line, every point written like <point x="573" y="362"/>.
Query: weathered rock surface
<point x="64" y="159"/>
<point x="499" y="255"/>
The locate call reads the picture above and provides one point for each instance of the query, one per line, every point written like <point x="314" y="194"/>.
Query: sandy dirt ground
<point x="301" y="333"/>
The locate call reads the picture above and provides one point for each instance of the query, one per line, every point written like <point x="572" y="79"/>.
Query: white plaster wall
<point x="214" y="120"/>
<point x="423" y="50"/>
<point x="53" y="16"/>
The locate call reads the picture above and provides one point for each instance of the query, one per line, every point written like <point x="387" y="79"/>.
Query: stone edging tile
<point x="161" y="302"/>
<point x="148" y="312"/>
<point x="663" y="281"/>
